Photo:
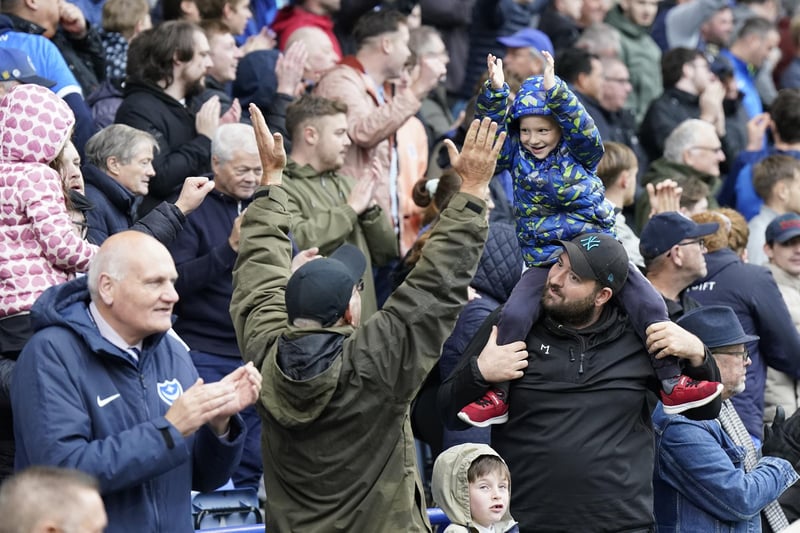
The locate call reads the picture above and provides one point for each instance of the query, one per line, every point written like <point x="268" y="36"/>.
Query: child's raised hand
<point x="496" y="74"/>
<point x="549" y="71"/>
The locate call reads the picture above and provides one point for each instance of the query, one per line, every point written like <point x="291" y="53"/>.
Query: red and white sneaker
<point x="688" y="394"/>
<point x="492" y="408"/>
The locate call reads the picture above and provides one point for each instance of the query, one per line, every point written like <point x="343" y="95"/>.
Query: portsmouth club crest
<point x="169" y="390"/>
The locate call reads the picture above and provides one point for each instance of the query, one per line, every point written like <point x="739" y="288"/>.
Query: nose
<point x="555" y="277"/>
<point x="170" y="294"/>
<point x="150" y="170"/>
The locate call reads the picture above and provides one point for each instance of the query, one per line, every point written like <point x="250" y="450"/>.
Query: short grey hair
<point x="600" y="39"/>
<point x="116" y="140"/>
<point x="684" y="136"/>
<point x="41" y="492"/>
<point x="108" y="261"/>
<point x="231" y="137"/>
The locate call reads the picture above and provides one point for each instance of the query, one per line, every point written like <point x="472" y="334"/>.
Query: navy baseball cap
<point x="528" y="38"/>
<point x="783" y="228"/>
<point x="716" y="326"/>
<point x="320" y="290"/>
<point x="600" y="257"/>
<point x="665" y="230"/>
<point x="16" y="65"/>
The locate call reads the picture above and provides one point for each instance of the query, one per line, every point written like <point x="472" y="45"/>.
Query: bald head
<point x="131" y="281"/>
<point x="321" y="55"/>
<point x="45" y="499"/>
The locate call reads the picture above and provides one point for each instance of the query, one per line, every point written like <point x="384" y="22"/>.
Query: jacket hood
<point x="34" y="125"/>
<point x="718" y="261"/>
<point x="500" y="266"/>
<point x="304" y="374"/>
<point x="531" y="99"/>
<point x="450" y="485"/>
<point x="119" y="196"/>
<point x="294" y="170"/>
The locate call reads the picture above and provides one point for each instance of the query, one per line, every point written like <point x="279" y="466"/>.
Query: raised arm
<point x="262" y="269"/>
<point x="399" y="345"/>
<point x="578" y="127"/>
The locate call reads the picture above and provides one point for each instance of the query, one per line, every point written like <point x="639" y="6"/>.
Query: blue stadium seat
<point x="436" y="515"/>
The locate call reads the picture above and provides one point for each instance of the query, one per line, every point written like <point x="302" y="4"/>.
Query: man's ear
<point x="386" y="44"/>
<point x="768" y="250"/>
<point x="112" y="164"/>
<point x="105" y="289"/>
<point x="310" y="135"/>
<point x="603" y="296"/>
<point x="347" y="318"/>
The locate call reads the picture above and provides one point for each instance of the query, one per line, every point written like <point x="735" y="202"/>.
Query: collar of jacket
<point x="682" y="96"/>
<point x="119" y="196"/>
<point x="212" y="83"/>
<point x="25" y="26"/>
<point x="141" y="86"/>
<point x="295" y="171"/>
<point x="609" y="325"/>
<point x="355" y="64"/>
<point x="225" y="199"/>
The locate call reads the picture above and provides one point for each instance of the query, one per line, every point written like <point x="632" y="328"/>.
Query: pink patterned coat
<point x="38" y="247"/>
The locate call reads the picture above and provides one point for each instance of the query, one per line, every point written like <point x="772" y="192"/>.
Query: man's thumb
<point x="452" y="151"/>
<point x="493" y="336"/>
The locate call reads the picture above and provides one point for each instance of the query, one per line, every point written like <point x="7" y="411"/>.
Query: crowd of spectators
<point x="265" y="242"/>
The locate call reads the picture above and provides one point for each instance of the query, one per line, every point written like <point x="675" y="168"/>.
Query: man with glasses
<point x="752" y="293"/>
<point x="672" y="246"/>
<point x="700" y="480"/>
<point x="692" y="154"/>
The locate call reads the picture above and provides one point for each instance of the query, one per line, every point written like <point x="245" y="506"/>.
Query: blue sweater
<point x="66" y="415"/>
<point x="205" y="260"/>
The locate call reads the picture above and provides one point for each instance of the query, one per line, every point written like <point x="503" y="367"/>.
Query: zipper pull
<point x="580" y="367"/>
<point x="571" y="356"/>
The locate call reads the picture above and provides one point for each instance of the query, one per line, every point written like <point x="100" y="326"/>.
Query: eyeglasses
<point x="619" y="80"/>
<point x="715" y="150"/>
<point x="360" y="285"/>
<point x="701" y="242"/>
<point x="745" y="355"/>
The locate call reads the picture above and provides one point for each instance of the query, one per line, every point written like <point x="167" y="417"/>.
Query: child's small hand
<point x="549" y="71"/>
<point x="496" y="74"/>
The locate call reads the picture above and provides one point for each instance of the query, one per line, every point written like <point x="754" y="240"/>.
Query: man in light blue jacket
<point x="708" y="475"/>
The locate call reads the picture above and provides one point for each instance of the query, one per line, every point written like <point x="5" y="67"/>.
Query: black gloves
<point x="782" y="438"/>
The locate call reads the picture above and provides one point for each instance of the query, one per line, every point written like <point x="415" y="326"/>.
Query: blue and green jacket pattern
<point x="558" y="197"/>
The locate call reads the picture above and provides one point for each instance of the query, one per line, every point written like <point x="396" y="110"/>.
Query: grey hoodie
<point x="450" y="488"/>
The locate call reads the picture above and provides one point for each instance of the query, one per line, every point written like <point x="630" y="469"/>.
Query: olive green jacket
<point x="322" y="218"/>
<point x="338" y="450"/>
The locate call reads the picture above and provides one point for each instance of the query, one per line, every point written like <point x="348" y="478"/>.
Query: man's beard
<point x="195" y="89"/>
<point x="576" y="313"/>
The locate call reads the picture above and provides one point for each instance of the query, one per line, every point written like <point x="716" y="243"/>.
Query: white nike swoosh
<point x="102" y="402"/>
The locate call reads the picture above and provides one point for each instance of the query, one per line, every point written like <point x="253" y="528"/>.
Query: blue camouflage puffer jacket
<point x="560" y="196"/>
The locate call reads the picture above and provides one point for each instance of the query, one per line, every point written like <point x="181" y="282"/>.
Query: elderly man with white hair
<point x="692" y="154"/>
<point x="204" y="253"/>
